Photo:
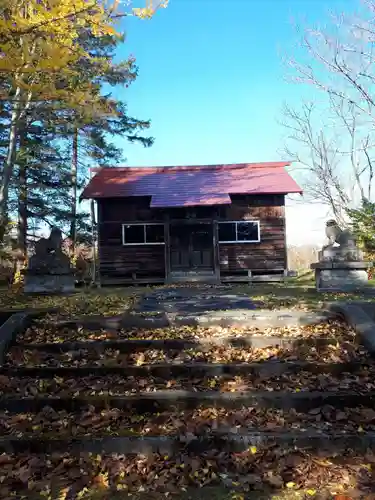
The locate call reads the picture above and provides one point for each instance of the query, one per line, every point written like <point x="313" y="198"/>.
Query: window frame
<point x="236" y="222"/>
<point x="144" y="224"/>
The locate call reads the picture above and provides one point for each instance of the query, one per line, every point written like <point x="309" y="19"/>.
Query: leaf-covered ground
<point x="345" y="347"/>
<point x="260" y="471"/>
<point x="85" y="302"/>
<point x="271" y="472"/>
<point x="214" y="354"/>
<point x="293" y="294"/>
<point x="40" y="332"/>
<point x="201" y="421"/>
<point x="117" y="385"/>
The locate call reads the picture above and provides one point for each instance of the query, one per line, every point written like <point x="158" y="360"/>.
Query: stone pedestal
<point x="340" y="276"/>
<point x="49" y="283"/>
<point x="341" y="254"/>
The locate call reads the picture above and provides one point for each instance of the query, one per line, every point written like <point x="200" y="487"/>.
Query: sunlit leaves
<point x="41" y="36"/>
<point x="41" y="44"/>
<point x="149" y="9"/>
<point x="171" y="476"/>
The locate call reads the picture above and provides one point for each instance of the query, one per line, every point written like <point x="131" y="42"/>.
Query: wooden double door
<point x="191" y="246"/>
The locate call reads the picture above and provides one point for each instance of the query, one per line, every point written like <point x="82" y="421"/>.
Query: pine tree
<point x="92" y="133"/>
<point x="38" y="46"/>
<point x="52" y="112"/>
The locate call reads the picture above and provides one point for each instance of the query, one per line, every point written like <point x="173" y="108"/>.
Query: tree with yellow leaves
<point x="39" y="42"/>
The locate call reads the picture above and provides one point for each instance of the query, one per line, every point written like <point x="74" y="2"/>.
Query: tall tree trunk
<point x="21" y="105"/>
<point x="9" y="164"/>
<point x="22" y="200"/>
<point x="73" y="223"/>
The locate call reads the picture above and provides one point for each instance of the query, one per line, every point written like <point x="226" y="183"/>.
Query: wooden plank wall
<point x="121" y="262"/>
<point x="118" y="262"/>
<point x="270" y="253"/>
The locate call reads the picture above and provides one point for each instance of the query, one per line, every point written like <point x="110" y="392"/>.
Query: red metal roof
<point x="194" y="185"/>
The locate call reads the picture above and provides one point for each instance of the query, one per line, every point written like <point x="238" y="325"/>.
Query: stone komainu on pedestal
<point x="49" y="269"/>
<point x="341" y="267"/>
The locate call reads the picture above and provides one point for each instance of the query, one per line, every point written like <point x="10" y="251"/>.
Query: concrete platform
<point x="217" y="308"/>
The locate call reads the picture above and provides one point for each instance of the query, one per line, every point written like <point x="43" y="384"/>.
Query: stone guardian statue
<point x="49" y="269"/>
<point x="341" y="266"/>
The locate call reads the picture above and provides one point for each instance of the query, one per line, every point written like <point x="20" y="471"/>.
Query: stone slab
<point x="357" y="318"/>
<point x="341" y="253"/>
<point x="214" y="308"/>
<point x="258" y="341"/>
<point x="344" y="280"/>
<point x="235" y="318"/>
<point x="367" y="306"/>
<point x="263" y="370"/>
<point x="51" y="283"/>
<point x="242" y="318"/>
<point x="224" y="439"/>
<point x="351" y="265"/>
<point x="330" y="264"/>
<point x="16" y="324"/>
<point x="193" y="301"/>
<point x="8" y="331"/>
<point x="165" y="400"/>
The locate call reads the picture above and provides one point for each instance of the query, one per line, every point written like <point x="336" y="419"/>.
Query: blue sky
<point x="212" y="80"/>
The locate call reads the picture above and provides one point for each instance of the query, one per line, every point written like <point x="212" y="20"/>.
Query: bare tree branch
<point x="332" y="138"/>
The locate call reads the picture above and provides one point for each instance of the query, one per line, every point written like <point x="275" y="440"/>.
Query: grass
<point x="105" y="301"/>
<point x="293" y="293"/>
<point x="297" y="293"/>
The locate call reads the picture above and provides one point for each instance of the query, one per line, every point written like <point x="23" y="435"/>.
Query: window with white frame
<point x="239" y="231"/>
<point x="143" y="234"/>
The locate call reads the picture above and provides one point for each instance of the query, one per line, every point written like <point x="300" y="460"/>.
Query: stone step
<point x="168" y="445"/>
<point x="264" y="369"/>
<point x="204" y="278"/>
<point x="133" y="345"/>
<point x="165" y="400"/>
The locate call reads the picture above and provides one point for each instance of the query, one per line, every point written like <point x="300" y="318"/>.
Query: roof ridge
<point x="181" y="168"/>
<point x="209" y="181"/>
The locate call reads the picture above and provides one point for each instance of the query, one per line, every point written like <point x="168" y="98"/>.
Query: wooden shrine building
<point x="200" y="223"/>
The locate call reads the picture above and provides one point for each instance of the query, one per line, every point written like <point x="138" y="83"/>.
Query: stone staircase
<point x="200" y="394"/>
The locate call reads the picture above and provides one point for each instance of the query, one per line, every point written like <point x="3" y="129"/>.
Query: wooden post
<point x="285" y="241"/>
<point x="216" y="249"/>
<point x="167" y="248"/>
<point x="98" y="222"/>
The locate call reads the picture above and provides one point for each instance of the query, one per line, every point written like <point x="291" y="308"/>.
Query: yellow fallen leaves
<point x="85" y="302"/>
<point x="323" y="463"/>
<point x="366" y="466"/>
<point x="121" y="487"/>
<point x="101" y="481"/>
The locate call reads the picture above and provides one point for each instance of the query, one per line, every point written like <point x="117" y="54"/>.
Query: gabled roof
<point x="194" y="185"/>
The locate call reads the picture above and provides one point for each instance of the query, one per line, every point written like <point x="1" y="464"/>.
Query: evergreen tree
<point x="363" y="225"/>
<point x="55" y="121"/>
